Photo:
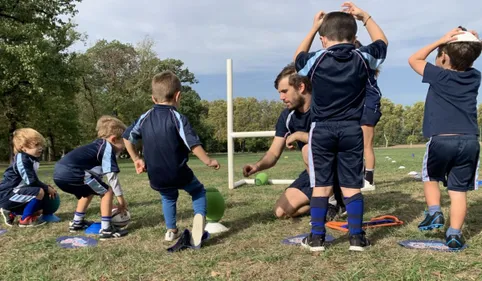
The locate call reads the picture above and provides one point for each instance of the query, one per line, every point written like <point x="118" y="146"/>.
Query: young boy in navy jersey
<point x="450" y="121"/>
<point x="339" y="75"/>
<point x="371" y="116"/>
<point x="21" y="191"/>
<point x="167" y="138"/>
<point x="80" y="173"/>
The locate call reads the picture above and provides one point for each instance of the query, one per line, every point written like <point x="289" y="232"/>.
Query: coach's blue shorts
<point x="336" y="146"/>
<point x="452" y="160"/>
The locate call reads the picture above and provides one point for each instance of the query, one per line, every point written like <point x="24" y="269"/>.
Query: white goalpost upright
<point x="232" y="135"/>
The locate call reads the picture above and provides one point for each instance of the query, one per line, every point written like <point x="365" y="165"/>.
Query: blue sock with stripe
<point x="31" y="208"/>
<point x="78" y="217"/>
<point x="318" y="210"/>
<point x="105" y="222"/>
<point x="354" y="209"/>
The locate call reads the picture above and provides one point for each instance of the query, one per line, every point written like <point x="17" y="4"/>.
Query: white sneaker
<point x="171" y="235"/>
<point x="197" y="231"/>
<point x="368" y="187"/>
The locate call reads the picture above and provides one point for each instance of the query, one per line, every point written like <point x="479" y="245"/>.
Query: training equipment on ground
<point x="215" y="207"/>
<point x="93" y="229"/>
<point x="232" y="135"/>
<point x="3" y="231"/>
<point x="296" y="240"/>
<point x="120" y="219"/>
<point x="261" y="179"/>
<point x="434" y="245"/>
<point x="381" y="221"/>
<point x="51" y="205"/>
<point x="70" y="242"/>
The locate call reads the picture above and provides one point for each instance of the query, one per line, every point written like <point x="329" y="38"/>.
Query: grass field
<point x="252" y="249"/>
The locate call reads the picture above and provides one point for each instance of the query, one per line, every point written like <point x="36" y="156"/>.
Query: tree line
<point x="61" y="93"/>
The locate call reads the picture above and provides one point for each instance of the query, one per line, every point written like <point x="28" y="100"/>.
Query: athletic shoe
<point x="368" y="187"/>
<point x="455" y="242"/>
<point x="112" y="233"/>
<point x="79" y="226"/>
<point x="430" y="222"/>
<point x="359" y="242"/>
<point x="171" y="235"/>
<point x="31" y="221"/>
<point x="332" y="212"/>
<point x="197" y="231"/>
<point x="313" y="242"/>
<point x="8" y="217"/>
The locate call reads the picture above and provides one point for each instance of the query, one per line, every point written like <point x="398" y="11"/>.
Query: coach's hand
<point x="248" y="170"/>
<point x="140" y="166"/>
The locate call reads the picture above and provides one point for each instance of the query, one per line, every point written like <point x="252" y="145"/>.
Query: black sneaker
<point x="316" y="243"/>
<point x="359" y="242"/>
<point x="342" y="212"/>
<point x="112" y="233"/>
<point x="8" y="217"/>
<point x="79" y="226"/>
<point x="430" y="222"/>
<point x="332" y="212"/>
<point x="454" y="241"/>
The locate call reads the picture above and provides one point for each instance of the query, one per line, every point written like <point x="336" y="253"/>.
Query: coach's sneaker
<point x="171" y="235"/>
<point x="112" y="233"/>
<point x="359" y="242"/>
<point x="31" y="221"/>
<point x="313" y="242"/>
<point x="197" y="232"/>
<point x="368" y="186"/>
<point x="332" y="212"/>
<point x="8" y="217"/>
<point x="75" y="226"/>
<point x="430" y="222"/>
<point x="455" y="241"/>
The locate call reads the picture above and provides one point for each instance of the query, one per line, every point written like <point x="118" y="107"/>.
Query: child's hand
<point x="214" y="163"/>
<point x="318" y="19"/>
<point x="350" y="8"/>
<point x="248" y="170"/>
<point x="140" y="166"/>
<point x="450" y="36"/>
<point x="52" y="192"/>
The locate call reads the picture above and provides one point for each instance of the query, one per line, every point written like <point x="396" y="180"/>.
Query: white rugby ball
<point x="120" y="219"/>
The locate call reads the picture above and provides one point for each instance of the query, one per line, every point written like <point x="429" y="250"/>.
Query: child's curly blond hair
<point x="27" y="137"/>
<point x="109" y="126"/>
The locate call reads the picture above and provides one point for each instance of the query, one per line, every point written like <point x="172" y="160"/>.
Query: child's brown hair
<point x="27" y="137"/>
<point x="165" y="85"/>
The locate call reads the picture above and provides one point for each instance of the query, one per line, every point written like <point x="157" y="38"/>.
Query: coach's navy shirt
<point x="339" y="75"/>
<point x="451" y="103"/>
<point x="293" y="121"/>
<point x="167" y="139"/>
<point x="22" y="172"/>
<point x="74" y="165"/>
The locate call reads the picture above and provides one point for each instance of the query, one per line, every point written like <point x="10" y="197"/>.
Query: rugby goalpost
<point x="232" y="135"/>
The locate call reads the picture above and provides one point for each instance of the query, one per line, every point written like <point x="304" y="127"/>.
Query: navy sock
<point x="433" y="209"/>
<point x="30" y="208"/>
<point x="318" y="210"/>
<point x="354" y="209"/>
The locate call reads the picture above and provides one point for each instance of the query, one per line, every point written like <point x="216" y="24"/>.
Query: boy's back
<point x="451" y="103"/>
<point x="339" y="75"/>
<point x="167" y="138"/>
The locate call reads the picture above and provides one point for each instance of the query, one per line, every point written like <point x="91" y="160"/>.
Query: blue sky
<point x="261" y="36"/>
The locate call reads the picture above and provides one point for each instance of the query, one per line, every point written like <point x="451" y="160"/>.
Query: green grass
<point x="252" y="249"/>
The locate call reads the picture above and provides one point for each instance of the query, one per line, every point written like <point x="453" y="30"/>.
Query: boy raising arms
<point x="339" y="74"/>
<point x="167" y="139"/>
<point x="80" y="173"/>
<point x="450" y="121"/>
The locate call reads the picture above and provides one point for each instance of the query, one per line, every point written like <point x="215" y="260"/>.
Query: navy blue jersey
<point x="293" y="121"/>
<point x="339" y="75"/>
<point x="451" y="103"/>
<point x="75" y="164"/>
<point x="167" y="139"/>
<point x="22" y="172"/>
<point x="373" y="93"/>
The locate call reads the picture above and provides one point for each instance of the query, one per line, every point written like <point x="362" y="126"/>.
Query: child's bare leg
<point x="369" y="154"/>
<point x="458" y="208"/>
<point x="106" y="208"/>
<point x="434" y="218"/>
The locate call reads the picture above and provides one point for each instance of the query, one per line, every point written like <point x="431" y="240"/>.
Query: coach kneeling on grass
<point x="293" y="126"/>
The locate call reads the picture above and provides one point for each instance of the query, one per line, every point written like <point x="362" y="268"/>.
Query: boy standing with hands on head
<point x="339" y="74"/>
<point x="167" y="139"/>
<point x="450" y="121"/>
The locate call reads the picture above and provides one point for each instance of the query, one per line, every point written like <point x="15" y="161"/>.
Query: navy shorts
<point x="91" y="186"/>
<point x="453" y="160"/>
<point x="16" y="199"/>
<point x="336" y="146"/>
<point x="370" y="116"/>
<point x="303" y="184"/>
